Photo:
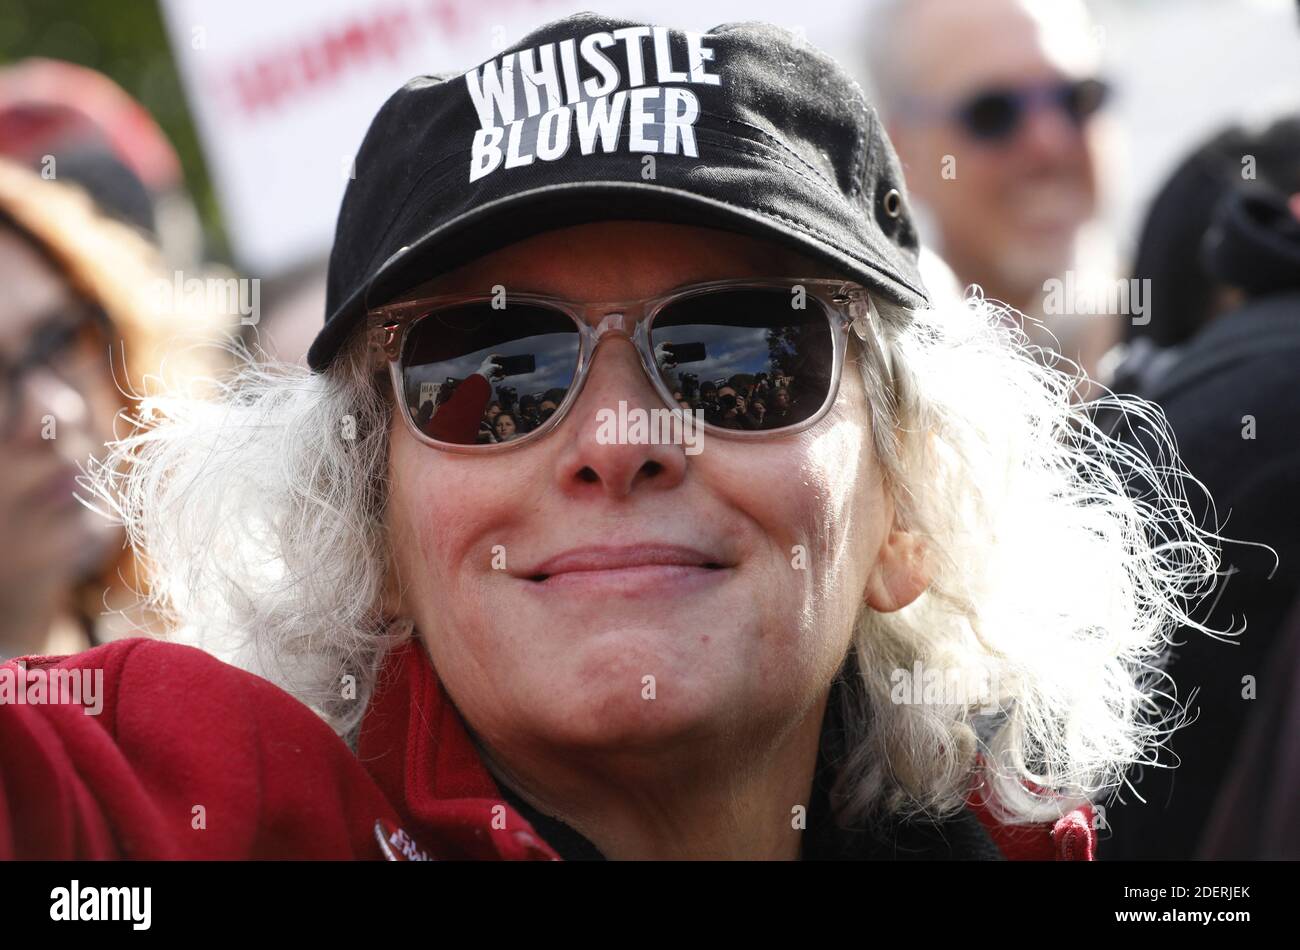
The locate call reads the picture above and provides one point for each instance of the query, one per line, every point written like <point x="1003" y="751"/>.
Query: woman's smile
<point x="630" y="570"/>
<point x="637" y="580"/>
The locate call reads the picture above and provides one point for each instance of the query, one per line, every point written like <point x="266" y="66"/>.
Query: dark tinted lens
<point x="992" y="115"/>
<point x="729" y="337"/>
<point x="475" y="375"/>
<point x="74" y="346"/>
<point x="1082" y="99"/>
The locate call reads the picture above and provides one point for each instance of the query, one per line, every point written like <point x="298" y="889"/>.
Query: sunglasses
<point x="72" y="345"/>
<point x="454" y="359"/>
<point x="995" y="115"/>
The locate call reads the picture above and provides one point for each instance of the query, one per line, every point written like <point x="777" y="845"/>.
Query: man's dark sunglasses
<point x="996" y="114"/>
<point x="64" y="344"/>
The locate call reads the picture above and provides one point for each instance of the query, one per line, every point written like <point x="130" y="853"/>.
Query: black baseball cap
<point x="744" y="128"/>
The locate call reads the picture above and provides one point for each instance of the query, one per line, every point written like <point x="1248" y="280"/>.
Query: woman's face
<point x="651" y="657"/>
<point x="60" y="419"/>
<point x="505" y="428"/>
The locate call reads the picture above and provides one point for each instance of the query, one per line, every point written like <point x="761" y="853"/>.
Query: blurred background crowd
<point x="1124" y="173"/>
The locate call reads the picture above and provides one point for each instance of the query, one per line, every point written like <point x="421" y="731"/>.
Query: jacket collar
<point x="417" y="748"/>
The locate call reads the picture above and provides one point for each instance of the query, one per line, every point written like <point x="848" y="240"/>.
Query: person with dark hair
<point x="1230" y="394"/>
<point x="1254" y="817"/>
<point x="425" y="413"/>
<point x="505" y="427"/>
<point x="530" y="414"/>
<point x="729" y="408"/>
<point x="1185" y="293"/>
<point x="779" y="405"/>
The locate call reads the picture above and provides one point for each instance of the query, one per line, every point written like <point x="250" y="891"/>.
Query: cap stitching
<point x="775" y="140"/>
<point x="798" y="226"/>
<point x="819" y="182"/>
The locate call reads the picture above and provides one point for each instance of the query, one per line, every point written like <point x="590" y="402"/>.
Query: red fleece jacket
<point x="189" y="757"/>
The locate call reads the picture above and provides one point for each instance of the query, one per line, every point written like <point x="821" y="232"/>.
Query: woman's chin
<point x="615" y="719"/>
<point x="612" y="654"/>
<point x="676" y="608"/>
<point x="643" y="685"/>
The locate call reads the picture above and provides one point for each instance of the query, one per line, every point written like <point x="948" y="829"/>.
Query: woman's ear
<point x="901" y="573"/>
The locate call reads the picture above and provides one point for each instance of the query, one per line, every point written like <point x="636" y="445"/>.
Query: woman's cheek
<point x="447" y="530"/>
<point x="841" y="506"/>
<point x="416" y="529"/>
<point x="829" y="482"/>
<point x="787" y="499"/>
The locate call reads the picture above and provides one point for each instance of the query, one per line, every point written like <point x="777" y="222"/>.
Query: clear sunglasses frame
<point x="848" y="308"/>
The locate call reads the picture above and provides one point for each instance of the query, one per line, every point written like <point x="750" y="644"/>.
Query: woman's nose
<point x="1048" y="135"/>
<point x="46" y="397"/>
<point x="622" y="437"/>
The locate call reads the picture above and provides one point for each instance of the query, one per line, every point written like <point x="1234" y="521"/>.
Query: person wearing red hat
<point x="74" y="124"/>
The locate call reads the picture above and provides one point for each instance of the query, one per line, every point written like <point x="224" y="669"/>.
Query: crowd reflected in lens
<point x="742" y="402"/>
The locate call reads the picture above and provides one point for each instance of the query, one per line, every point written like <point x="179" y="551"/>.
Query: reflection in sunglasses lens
<point x="472" y="374"/>
<point x="726" y="347"/>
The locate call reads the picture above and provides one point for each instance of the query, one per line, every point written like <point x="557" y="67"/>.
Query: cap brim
<point x="524" y="214"/>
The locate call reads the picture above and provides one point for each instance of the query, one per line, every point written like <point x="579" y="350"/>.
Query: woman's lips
<point x="629" y="570"/>
<point x="631" y="581"/>
<point x="56" y="491"/>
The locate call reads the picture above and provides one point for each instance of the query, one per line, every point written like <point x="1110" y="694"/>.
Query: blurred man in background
<point x="990" y="103"/>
